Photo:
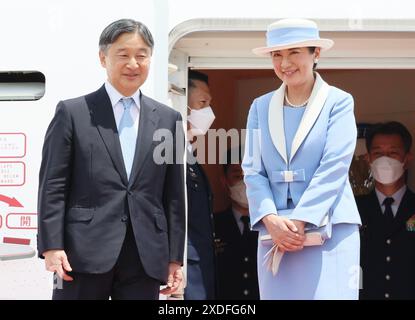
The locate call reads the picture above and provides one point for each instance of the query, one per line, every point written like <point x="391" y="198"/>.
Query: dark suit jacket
<point x="201" y="274"/>
<point x="236" y="259"/>
<point x="85" y="199"/>
<point x="387" y="251"/>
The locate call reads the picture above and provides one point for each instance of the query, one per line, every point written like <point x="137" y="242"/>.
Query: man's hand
<point x="57" y="261"/>
<point x="174" y="280"/>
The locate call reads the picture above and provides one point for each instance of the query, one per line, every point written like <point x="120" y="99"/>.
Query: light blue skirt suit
<point x="299" y="158"/>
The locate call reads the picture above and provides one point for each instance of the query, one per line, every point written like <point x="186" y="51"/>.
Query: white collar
<point x="397" y="196"/>
<point x="189" y="146"/>
<point x="312" y="111"/>
<point x="115" y="95"/>
<point x="236" y="214"/>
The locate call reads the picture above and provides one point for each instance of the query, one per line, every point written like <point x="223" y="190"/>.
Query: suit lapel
<point x="204" y="177"/>
<point x="276" y="122"/>
<point x="372" y="217"/>
<point x="102" y="116"/>
<point x="317" y="99"/>
<point x="276" y="117"/>
<point x="148" y="122"/>
<point x="234" y="231"/>
<point x="404" y="211"/>
<point x="374" y="208"/>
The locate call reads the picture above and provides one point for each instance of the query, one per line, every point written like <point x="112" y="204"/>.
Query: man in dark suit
<point x="236" y="244"/>
<point x="388" y="217"/>
<point x="111" y="214"/>
<point x="200" y="271"/>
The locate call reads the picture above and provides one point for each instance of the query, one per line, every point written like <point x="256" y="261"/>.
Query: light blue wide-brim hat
<point x="292" y="33"/>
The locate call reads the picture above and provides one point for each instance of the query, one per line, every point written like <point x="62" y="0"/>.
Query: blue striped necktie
<point x="128" y="135"/>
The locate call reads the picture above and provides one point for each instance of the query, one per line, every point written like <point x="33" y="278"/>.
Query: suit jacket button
<point x="124" y="219"/>
<point x="388" y="241"/>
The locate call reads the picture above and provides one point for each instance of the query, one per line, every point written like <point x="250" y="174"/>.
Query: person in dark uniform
<point x="388" y="217"/>
<point x="236" y="244"/>
<point x="200" y="272"/>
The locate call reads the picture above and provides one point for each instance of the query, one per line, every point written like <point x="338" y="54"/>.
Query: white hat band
<point x="283" y="36"/>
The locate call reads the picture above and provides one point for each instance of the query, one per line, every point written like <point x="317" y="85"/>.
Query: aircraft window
<point x="21" y="85"/>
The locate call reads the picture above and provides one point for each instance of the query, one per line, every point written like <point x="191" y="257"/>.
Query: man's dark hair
<point x="111" y="33"/>
<point x="196" y="75"/>
<point x="389" y="128"/>
<point x="231" y="156"/>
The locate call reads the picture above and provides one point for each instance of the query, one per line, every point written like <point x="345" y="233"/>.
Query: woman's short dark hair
<point x="389" y="128"/>
<point x="312" y="50"/>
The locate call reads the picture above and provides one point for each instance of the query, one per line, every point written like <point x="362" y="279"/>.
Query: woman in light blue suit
<point x="300" y="143"/>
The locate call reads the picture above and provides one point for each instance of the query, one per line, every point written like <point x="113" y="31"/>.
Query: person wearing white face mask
<point x="200" y="271"/>
<point x="236" y="244"/>
<point x="388" y="217"/>
<point x="200" y="115"/>
<point x="386" y="170"/>
<point x="200" y="120"/>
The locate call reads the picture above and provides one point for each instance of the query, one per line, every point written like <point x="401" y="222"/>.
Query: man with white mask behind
<point x="236" y="244"/>
<point x="200" y="272"/>
<point x="388" y="216"/>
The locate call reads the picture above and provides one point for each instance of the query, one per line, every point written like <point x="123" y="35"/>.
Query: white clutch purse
<point x="313" y="237"/>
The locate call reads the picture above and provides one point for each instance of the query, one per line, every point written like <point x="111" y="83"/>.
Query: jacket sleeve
<point x="174" y="197"/>
<point x="259" y="193"/>
<point x="54" y="181"/>
<point x="332" y="174"/>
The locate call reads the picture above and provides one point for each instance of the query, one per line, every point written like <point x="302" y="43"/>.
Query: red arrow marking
<point x="12" y="202"/>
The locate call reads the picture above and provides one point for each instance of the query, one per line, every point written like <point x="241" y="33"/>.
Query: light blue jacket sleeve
<point x="259" y="193"/>
<point x="331" y="176"/>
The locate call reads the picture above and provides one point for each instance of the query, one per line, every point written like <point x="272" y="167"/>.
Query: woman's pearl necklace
<point x="295" y="105"/>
